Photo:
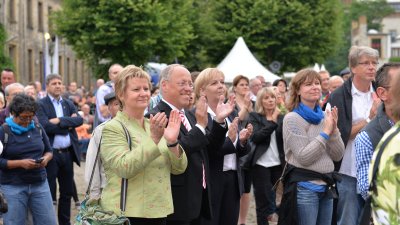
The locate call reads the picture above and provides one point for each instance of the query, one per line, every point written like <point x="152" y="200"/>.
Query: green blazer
<point x="147" y="167"/>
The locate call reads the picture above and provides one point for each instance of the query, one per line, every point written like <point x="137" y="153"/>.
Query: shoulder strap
<point x="372" y="186"/>
<point x="7" y="131"/>
<point x="124" y="183"/>
<point x="94" y="167"/>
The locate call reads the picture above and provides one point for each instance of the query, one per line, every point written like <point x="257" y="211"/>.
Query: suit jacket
<point x="187" y="189"/>
<point x="261" y="137"/>
<point x="217" y="158"/>
<point x="67" y="123"/>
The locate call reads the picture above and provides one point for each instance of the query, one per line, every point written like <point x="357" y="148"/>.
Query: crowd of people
<point x="191" y="149"/>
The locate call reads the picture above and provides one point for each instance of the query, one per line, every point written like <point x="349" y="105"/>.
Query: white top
<point x="229" y="159"/>
<point x="1" y="147"/>
<point x="362" y="104"/>
<point x="270" y="158"/>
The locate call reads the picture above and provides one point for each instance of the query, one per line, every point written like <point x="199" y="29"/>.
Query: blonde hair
<point x="125" y="75"/>
<point x="300" y="78"/>
<point x="260" y="96"/>
<point x="204" y="78"/>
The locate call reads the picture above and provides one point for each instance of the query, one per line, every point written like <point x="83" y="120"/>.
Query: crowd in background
<point x="191" y="147"/>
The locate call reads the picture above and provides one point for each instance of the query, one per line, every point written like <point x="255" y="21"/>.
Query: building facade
<point x="26" y="23"/>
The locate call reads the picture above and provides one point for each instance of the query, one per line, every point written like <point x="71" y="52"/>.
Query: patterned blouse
<point x="386" y="203"/>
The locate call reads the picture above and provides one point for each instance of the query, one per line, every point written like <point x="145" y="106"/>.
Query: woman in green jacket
<point x="153" y="156"/>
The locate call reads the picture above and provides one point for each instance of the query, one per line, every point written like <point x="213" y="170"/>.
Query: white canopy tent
<point x="241" y="61"/>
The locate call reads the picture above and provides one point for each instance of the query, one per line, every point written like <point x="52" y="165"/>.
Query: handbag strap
<point x="372" y="186"/>
<point x="124" y="182"/>
<point x="94" y="167"/>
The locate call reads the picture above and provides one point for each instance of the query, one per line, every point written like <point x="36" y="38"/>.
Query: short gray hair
<point x="356" y="52"/>
<point x="51" y="77"/>
<point x="12" y="86"/>
<point x="165" y="74"/>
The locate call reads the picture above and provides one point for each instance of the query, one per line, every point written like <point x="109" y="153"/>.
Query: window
<point x="393" y="35"/>
<point x="50" y="24"/>
<point x="41" y="67"/>
<point x="395" y="52"/>
<point x="29" y="18"/>
<point x="11" y="11"/>
<point x="376" y="44"/>
<point x="76" y="71"/>
<point x="60" y="65"/>
<point x="68" y="75"/>
<point x="30" y="65"/>
<point x="12" y="52"/>
<point x="40" y="17"/>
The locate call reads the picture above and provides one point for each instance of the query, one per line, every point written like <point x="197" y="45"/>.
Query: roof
<point x="240" y="60"/>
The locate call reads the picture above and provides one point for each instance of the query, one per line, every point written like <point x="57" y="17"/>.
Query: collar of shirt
<point x="55" y="100"/>
<point x="172" y="106"/>
<point x="355" y="91"/>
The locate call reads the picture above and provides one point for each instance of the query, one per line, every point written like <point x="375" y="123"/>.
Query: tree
<point x="125" y="31"/>
<point x="4" y="60"/>
<point x="295" y="33"/>
<point x="374" y="10"/>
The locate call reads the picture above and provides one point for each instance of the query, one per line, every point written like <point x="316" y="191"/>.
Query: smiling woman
<point x="22" y="165"/>
<point x="148" y="163"/>
<point x="312" y="143"/>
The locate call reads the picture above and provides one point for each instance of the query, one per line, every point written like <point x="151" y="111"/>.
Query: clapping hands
<point x="224" y="109"/>
<point x="331" y="119"/>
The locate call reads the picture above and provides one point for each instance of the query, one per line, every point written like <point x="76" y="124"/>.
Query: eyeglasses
<point x="184" y="84"/>
<point x="366" y="64"/>
<point x="26" y="118"/>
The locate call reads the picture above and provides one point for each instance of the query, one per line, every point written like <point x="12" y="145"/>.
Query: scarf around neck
<point x="18" y="129"/>
<point x="312" y="116"/>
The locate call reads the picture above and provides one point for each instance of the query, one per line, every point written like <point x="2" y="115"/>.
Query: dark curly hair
<point x="23" y="103"/>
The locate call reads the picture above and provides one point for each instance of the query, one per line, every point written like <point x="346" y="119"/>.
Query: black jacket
<point x="262" y="130"/>
<point x="217" y="157"/>
<point x="187" y="190"/>
<point x="67" y="123"/>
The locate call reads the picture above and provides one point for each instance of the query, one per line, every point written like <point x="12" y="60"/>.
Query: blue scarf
<point x="17" y="129"/>
<point x="312" y="116"/>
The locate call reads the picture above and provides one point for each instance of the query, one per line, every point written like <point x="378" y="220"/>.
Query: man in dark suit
<point x="191" y="190"/>
<point x="59" y="118"/>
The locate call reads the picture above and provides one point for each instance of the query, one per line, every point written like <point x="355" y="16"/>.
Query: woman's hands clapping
<point x="331" y="119"/>
<point x="245" y="134"/>
<point x="157" y="126"/>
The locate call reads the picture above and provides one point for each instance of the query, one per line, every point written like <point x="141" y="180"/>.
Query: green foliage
<point x="4" y="60"/>
<point x="394" y="59"/>
<point x="295" y="33"/>
<point x="125" y="31"/>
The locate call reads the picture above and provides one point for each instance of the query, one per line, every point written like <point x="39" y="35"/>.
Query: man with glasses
<point x="190" y="190"/>
<point x="10" y="91"/>
<point x="367" y="140"/>
<point x="357" y="105"/>
<point x="59" y="118"/>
